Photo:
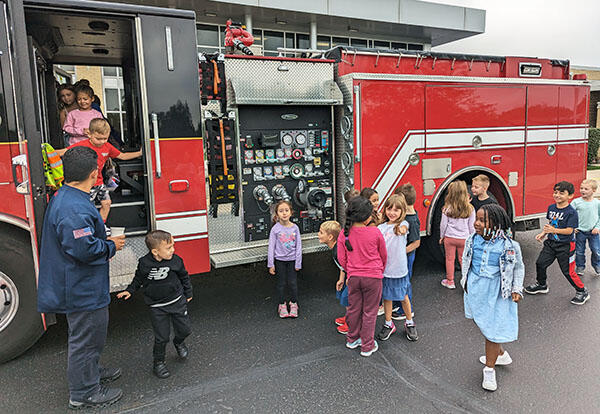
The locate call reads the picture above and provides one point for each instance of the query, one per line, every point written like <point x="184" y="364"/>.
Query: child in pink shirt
<point x="78" y="121"/>
<point x="362" y="252"/>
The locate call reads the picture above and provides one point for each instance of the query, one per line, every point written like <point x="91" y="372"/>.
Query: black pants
<point x="564" y="252"/>
<point x="161" y="317"/>
<point x="286" y="275"/>
<point x="87" y="336"/>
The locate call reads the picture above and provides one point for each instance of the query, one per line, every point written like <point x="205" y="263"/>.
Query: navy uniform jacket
<point x="74" y="255"/>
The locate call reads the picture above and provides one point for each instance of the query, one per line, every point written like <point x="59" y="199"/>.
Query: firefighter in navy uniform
<point x="74" y="278"/>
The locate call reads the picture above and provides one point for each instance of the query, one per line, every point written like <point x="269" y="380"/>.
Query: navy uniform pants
<point x="87" y="336"/>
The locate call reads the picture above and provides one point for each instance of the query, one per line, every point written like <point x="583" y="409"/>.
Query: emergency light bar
<point x="533" y="70"/>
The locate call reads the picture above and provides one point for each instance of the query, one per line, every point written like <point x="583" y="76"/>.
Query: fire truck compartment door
<point x="281" y="83"/>
<point x="173" y="144"/>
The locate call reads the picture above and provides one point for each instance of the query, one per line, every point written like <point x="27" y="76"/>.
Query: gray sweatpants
<point x="87" y="336"/>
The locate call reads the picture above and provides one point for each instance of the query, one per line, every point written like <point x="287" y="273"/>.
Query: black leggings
<point x="286" y="274"/>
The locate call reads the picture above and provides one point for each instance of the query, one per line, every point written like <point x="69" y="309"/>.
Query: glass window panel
<point x="114" y="119"/>
<point x="123" y="100"/>
<point x="265" y="53"/>
<point x="207" y="35"/>
<point x="111" y="97"/>
<point x="412" y="46"/>
<point x="358" y="42"/>
<point x="380" y="44"/>
<point x="272" y="40"/>
<point x="258" y="37"/>
<point x="208" y="49"/>
<point x="323" y="42"/>
<point x="396" y="45"/>
<point x="125" y="131"/>
<point x="303" y="41"/>
<point x="341" y="41"/>
<point x="109" y="71"/>
<point x="289" y="40"/>
<point x="119" y="71"/>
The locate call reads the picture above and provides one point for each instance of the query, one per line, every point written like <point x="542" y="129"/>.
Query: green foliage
<point x="593" y="145"/>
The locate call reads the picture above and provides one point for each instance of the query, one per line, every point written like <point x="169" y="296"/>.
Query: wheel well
<point x="14" y="231"/>
<point x="498" y="189"/>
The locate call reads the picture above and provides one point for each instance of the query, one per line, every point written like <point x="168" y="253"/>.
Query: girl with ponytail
<point x="362" y="252"/>
<point x="492" y="278"/>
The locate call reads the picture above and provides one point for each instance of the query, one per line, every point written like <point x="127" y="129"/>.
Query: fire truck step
<point x="257" y="253"/>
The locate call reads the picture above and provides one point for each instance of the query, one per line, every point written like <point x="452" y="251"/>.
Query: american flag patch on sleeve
<point x="79" y="233"/>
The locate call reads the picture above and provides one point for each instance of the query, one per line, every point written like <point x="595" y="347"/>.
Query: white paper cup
<point x="117" y="231"/>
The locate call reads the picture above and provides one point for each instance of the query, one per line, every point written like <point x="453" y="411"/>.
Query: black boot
<point x="103" y="397"/>
<point x="182" y="350"/>
<point x="160" y="369"/>
<point x="109" y="374"/>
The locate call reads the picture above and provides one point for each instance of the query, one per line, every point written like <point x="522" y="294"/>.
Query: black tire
<point x="432" y="242"/>
<point x="17" y="272"/>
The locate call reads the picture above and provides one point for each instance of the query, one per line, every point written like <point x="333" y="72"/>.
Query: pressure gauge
<point x="308" y="168"/>
<point x="296" y="171"/>
<point x="287" y="140"/>
<point x="301" y="139"/>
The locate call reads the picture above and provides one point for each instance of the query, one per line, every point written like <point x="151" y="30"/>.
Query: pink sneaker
<point x="340" y="321"/>
<point x="283" y="312"/>
<point x="293" y="310"/>
<point x="448" y="284"/>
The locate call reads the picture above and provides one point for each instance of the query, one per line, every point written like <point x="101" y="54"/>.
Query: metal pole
<point x="248" y="19"/>
<point x="313" y="34"/>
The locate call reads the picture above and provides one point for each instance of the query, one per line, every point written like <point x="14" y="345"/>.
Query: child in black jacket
<point x="167" y="289"/>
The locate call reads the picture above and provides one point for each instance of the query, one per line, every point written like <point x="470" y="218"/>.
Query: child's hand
<point x="540" y="237"/>
<point x="124" y="295"/>
<point x="549" y="229"/>
<point x="595" y="231"/>
<point x="272" y="270"/>
<point x="86" y="131"/>
<point x="403" y="230"/>
<point x="339" y="285"/>
<point x="297" y="269"/>
<point x="189" y="299"/>
<point x="442" y="240"/>
<point x="516" y="297"/>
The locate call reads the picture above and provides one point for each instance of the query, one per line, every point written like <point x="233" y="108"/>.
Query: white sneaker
<point x="380" y="311"/>
<point x="489" y="379"/>
<point x="369" y="353"/>
<point x="503" y="359"/>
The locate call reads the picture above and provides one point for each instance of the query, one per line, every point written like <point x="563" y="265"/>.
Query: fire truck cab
<point x="156" y="51"/>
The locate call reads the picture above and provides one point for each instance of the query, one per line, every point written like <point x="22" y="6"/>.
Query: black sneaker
<point x="536" y="288"/>
<point x="109" y="374"/>
<point x="182" y="350"/>
<point x="103" y="397"/>
<point x="580" y="297"/>
<point x="411" y="332"/>
<point x="160" y="369"/>
<point x="397" y="316"/>
<point x="386" y="332"/>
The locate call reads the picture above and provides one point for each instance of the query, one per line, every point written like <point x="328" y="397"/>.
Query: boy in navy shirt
<point x="560" y="244"/>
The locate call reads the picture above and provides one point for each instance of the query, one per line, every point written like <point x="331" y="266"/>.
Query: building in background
<point x="593" y="76"/>
<point x="322" y="24"/>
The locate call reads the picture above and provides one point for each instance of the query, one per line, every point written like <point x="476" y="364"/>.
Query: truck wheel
<point x="20" y="323"/>
<point x="432" y="242"/>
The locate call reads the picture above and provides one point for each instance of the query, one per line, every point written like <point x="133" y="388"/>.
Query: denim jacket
<point x="512" y="269"/>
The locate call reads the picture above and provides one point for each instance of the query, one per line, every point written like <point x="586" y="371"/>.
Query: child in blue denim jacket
<point x="492" y="278"/>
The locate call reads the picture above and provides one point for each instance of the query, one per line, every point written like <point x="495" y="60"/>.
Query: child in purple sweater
<point x="458" y="218"/>
<point x="285" y="257"/>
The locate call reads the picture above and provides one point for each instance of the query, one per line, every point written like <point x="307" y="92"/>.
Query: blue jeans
<point x="411" y="260"/>
<point x="594" y="242"/>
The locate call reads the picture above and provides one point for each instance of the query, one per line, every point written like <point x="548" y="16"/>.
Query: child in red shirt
<point x="98" y="132"/>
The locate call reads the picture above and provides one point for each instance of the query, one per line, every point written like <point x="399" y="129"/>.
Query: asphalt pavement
<point x="243" y="358"/>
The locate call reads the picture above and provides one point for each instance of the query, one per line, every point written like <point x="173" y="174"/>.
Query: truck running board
<point x="257" y="254"/>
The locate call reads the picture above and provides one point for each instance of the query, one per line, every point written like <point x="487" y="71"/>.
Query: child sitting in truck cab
<point x="99" y="131"/>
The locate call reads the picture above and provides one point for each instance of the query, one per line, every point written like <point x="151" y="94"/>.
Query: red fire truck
<point x="225" y="137"/>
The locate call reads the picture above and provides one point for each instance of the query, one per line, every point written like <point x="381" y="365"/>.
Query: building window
<point x="340" y="41"/>
<point x="402" y="46"/>
<point x="303" y="41"/>
<point x="412" y="46"/>
<point x="358" y="42"/>
<point x="207" y="35"/>
<point x="271" y="41"/>
<point x="114" y="99"/>
<point x="324" y="42"/>
<point x="380" y="44"/>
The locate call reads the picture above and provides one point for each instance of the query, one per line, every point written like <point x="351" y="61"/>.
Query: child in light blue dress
<point x="492" y="278"/>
